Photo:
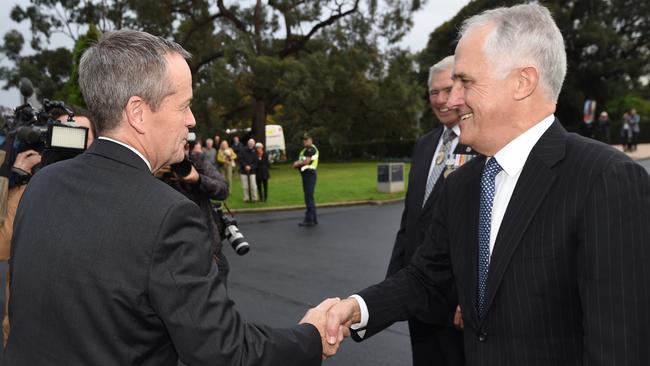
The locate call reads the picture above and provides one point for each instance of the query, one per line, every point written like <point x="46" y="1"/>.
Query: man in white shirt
<point x="538" y="236"/>
<point x="435" y="156"/>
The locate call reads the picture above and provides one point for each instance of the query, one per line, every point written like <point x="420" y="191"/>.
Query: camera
<point x="36" y="129"/>
<point x="229" y="231"/>
<point x="184" y="168"/>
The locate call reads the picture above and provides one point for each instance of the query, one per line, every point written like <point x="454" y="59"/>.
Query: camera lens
<point x="237" y="241"/>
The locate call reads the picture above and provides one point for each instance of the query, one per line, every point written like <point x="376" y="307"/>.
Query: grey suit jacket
<point x="111" y="266"/>
<point x="568" y="279"/>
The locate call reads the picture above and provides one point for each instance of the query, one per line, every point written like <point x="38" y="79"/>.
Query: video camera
<point x="36" y="129"/>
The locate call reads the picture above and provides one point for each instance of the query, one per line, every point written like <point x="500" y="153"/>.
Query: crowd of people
<point x="629" y="133"/>
<point x="250" y="160"/>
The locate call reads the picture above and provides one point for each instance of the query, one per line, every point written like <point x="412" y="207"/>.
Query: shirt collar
<point x="455" y="128"/>
<point x="128" y="147"/>
<point x="513" y="156"/>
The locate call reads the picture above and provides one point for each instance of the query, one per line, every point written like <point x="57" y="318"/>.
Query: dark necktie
<point x="492" y="168"/>
<point x="439" y="161"/>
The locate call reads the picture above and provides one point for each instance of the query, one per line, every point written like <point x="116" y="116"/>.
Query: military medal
<point x="440" y="157"/>
<point x="451" y="165"/>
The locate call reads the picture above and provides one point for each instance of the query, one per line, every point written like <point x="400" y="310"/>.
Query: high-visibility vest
<point x="314" y="159"/>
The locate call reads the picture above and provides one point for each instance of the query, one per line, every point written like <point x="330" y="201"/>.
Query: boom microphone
<point x="26" y="87"/>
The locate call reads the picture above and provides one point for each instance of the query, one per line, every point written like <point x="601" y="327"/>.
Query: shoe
<point x="307" y="224"/>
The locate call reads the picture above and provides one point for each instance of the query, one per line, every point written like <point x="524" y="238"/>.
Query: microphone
<point x="26" y="87"/>
<point x="28" y="134"/>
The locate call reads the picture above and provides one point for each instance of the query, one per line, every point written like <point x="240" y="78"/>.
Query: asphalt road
<point x="291" y="269"/>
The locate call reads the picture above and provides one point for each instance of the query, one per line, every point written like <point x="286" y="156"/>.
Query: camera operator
<point x="201" y="183"/>
<point x="20" y="174"/>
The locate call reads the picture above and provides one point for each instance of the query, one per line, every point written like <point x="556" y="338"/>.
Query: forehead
<point x="441" y="80"/>
<point x="470" y="53"/>
<point x="179" y="74"/>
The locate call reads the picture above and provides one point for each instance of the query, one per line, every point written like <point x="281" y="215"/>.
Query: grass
<point x="336" y="182"/>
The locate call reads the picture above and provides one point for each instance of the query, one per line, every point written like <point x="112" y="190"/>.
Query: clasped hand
<point x="333" y="318"/>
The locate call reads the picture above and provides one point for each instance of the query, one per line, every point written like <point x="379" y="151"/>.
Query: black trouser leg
<point x="308" y="187"/>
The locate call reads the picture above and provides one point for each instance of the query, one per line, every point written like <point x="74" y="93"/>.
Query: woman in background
<point x="262" y="174"/>
<point x="226" y="158"/>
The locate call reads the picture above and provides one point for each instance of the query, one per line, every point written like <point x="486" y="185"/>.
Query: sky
<point x="425" y="21"/>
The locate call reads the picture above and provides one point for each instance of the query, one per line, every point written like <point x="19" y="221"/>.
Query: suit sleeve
<point x="613" y="272"/>
<point x="189" y="297"/>
<point x="423" y="289"/>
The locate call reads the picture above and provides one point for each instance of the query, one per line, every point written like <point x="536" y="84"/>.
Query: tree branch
<point x="230" y="16"/>
<point x="206" y="60"/>
<point x="293" y="46"/>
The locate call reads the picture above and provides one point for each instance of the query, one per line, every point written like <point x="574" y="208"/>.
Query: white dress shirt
<point x="511" y="158"/>
<point x="128" y="147"/>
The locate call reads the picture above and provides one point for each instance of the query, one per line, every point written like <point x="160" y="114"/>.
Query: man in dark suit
<point x="435" y="156"/>
<point x="111" y="266"/>
<point x="546" y="237"/>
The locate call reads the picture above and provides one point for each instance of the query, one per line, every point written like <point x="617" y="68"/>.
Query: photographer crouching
<point x="199" y="180"/>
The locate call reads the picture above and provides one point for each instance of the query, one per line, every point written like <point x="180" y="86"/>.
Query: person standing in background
<point x="635" y="121"/>
<point x="247" y="166"/>
<point x="226" y="158"/>
<point x="262" y="174"/>
<point x="210" y="152"/>
<point x="307" y="163"/>
<point x="604" y="126"/>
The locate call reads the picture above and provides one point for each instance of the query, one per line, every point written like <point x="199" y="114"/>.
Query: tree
<point x="255" y="44"/>
<point x="606" y="43"/>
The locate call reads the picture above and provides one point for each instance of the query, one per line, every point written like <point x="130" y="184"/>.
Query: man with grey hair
<point x="538" y="235"/>
<point x="112" y="266"/>
<point x="436" y="155"/>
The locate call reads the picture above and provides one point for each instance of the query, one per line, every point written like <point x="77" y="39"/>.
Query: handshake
<point x="333" y="318"/>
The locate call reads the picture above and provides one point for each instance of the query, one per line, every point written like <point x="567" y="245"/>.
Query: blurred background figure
<point x="210" y="152"/>
<point x="262" y="174"/>
<point x="247" y="166"/>
<point x="217" y="141"/>
<point x="604" y="126"/>
<point x="635" y="120"/>
<point x="626" y="133"/>
<point x="226" y="157"/>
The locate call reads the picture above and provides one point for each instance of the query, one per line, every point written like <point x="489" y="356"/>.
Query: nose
<point x="190" y="122"/>
<point x="456" y="96"/>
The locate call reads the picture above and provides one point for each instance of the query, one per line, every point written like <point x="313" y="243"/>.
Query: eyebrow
<point x="459" y="75"/>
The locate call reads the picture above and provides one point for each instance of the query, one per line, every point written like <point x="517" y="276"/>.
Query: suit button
<point x="482" y="337"/>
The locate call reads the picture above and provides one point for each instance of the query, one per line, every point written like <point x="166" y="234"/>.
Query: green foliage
<point x="606" y="43"/>
<point x="70" y="92"/>
<point x="620" y="105"/>
<point x="308" y="65"/>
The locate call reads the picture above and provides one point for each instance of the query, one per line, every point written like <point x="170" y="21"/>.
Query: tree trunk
<point x="259" y="121"/>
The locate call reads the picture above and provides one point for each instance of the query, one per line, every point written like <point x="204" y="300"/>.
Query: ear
<point x="527" y="82"/>
<point x="135" y="112"/>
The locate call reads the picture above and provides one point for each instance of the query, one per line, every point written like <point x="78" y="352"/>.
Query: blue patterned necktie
<point x="439" y="164"/>
<point x="492" y="168"/>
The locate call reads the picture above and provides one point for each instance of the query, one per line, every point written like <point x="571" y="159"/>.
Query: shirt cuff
<point x="360" y="327"/>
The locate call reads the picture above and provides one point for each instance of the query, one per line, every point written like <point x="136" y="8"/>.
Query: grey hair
<point x="524" y="34"/>
<point x="442" y="65"/>
<point x="123" y="64"/>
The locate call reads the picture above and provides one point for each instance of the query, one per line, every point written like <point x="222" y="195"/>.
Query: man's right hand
<point x="26" y="160"/>
<point x="317" y="317"/>
<point x="343" y="314"/>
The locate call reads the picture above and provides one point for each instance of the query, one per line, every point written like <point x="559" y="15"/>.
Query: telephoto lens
<point x="236" y="239"/>
<point x="229" y="230"/>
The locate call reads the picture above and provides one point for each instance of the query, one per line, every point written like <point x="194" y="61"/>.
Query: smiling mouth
<point x="466" y="116"/>
<point x="443" y="110"/>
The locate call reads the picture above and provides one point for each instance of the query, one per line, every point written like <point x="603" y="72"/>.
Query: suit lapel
<point x="535" y="181"/>
<point x="425" y="165"/>
<point x="470" y="212"/>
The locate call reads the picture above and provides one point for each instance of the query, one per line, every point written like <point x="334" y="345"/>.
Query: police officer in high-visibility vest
<point x="307" y="163"/>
